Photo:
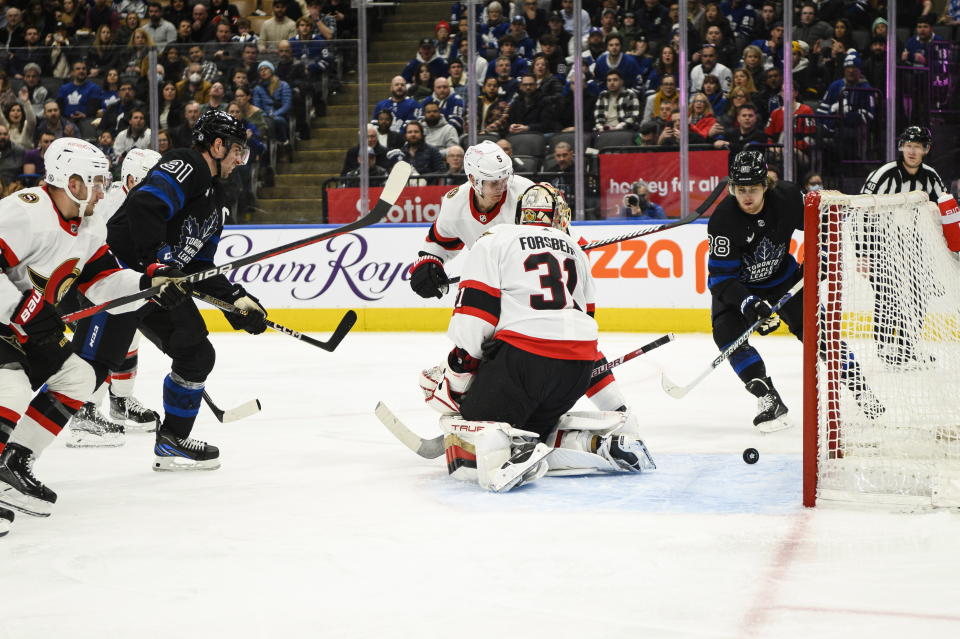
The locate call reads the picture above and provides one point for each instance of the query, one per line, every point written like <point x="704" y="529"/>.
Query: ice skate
<point x="628" y="453"/>
<point x="6" y="520"/>
<point x="175" y="453"/>
<point x="19" y="488"/>
<point x="134" y="415"/>
<point x="527" y="464"/>
<point x="903" y="358"/>
<point x="771" y="411"/>
<point x="90" y="429"/>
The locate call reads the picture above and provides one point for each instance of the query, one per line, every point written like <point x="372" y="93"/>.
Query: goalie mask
<point x="486" y="162"/>
<point x="543" y="204"/>
<point x="67" y="157"/>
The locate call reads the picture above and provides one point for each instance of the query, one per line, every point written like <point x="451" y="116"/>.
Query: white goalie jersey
<point x="459" y="224"/>
<point x="529" y="286"/>
<point x="41" y="250"/>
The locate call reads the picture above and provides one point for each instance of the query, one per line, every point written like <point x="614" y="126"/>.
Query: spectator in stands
<point x="373" y="143"/>
<point x="171" y="109"/>
<point x="525" y="46"/>
<point x="135" y="136"/>
<point x="245" y="34"/>
<point x="519" y="166"/>
<point x="803" y="128"/>
<point x="701" y="118"/>
<point x="615" y="58"/>
<point x="859" y="106"/>
<point x="377" y="173"/>
<point x="386" y="136"/>
<point x="182" y="135"/>
<point x="438" y="133"/>
<point x="201" y="29"/>
<point x="116" y="116"/>
<point x="303" y="81"/>
<point x="36" y="93"/>
<point x="666" y="93"/>
<point x="176" y="11"/>
<point x="709" y="65"/>
<point x="20" y="121"/>
<point x="161" y="31"/>
<point x="426" y="54"/>
<point x="648" y="135"/>
<point x="310" y="46"/>
<point x="275" y="98"/>
<point x="457" y="79"/>
<point x="11" y="35"/>
<point x="874" y="68"/>
<point x="508" y="50"/>
<point x="843" y="33"/>
<point x="222" y="12"/>
<point x="712" y="89"/>
<point x="727" y="54"/>
<point x="655" y="20"/>
<point x="561" y="163"/>
<point x="747" y="132"/>
<point x="665" y="65"/>
<point x="670" y="136"/>
<point x="918" y="50"/>
<point x="423" y="157"/>
<point x="566" y="10"/>
<point x="753" y="64"/>
<point x="618" y="107"/>
<point x="101" y="12"/>
<point x="771" y="47"/>
<point x="631" y="31"/>
<point x="243" y="96"/>
<point x="402" y="107"/>
<point x="662" y="118"/>
<point x="444" y="41"/>
<point x="11" y="158"/>
<point x="495" y="27"/>
<point x="280" y="26"/>
<point x="105" y="52"/>
<point x="743" y="80"/>
<point x="193" y="87"/>
<point x="809" y="29"/>
<point x="637" y="204"/>
<point x="451" y="105"/>
<point x="31" y="51"/>
<point x="173" y="65"/>
<point x="488" y="99"/>
<point x="811" y="182"/>
<point x="248" y="62"/>
<point x="534" y="18"/>
<point x="526" y="113"/>
<point x="551" y="48"/>
<point x="951" y="13"/>
<point x="184" y="34"/>
<point x="105" y="144"/>
<point x="137" y="53"/>
<point x="222" y="48"/>
<point x="454" y="159"/>
<point x="742" y="17"/>
<point x="55" y="124"/>
<point x="128" y="24"/>
<point x="217" y="100"/>
<point x="547" y="83"/>
<point x="422" y="85"/>
<point x="208" y="69"/>
<point x="805" y="76"/>
<point x="608" y="23"/>
<point x="79" y="98"/>
<point x="33" y="165"/>
<point x="735" y="99"/>
<point x="594" y="47"/>
<point x="507" y="84"/>
<point x="769" y="98"/>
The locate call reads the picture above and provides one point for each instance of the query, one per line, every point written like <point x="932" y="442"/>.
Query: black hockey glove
<point x="36" y="322"/>
<point x="254" y="320"/>
<point x="172" y="292"/>
<point x="427" y="278"/>
<point x="754" y="308"/>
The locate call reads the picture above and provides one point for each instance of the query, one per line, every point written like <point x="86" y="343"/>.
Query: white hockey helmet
<point x="486" y="161"/>
<point x="66" y="157"/>
<point x="543" y="204"/>
<point x="138" y="163"/>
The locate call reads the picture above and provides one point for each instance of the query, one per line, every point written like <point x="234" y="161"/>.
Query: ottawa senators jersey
<point x="753" y="251"/>
<point x="112" y="201"/>
<point x="529" y="286"/>
<point x="41" y="250"/>
<point x="459" y="223"/>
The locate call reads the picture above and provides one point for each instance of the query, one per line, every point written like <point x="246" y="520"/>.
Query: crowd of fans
<point x="525" y="70"/>
<point x="81" y="68"/>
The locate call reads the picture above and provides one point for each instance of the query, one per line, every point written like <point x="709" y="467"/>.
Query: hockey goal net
<point x="883" y="301"/>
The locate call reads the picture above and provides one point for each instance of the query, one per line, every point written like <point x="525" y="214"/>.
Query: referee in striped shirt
<point x="896" y="331"/>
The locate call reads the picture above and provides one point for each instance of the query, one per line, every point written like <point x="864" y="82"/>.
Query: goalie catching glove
<point x="169" y="278"/>
<point x="754" y="308"/>
<point x="427" y="277"/>
<point x="444" y="386"/>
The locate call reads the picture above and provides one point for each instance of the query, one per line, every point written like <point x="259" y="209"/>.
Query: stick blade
<point x="397" y="179"/>
<point x="672" y="389"/>
<point x="349" y="319"/>
<point x="426" y="448"/>
<point x="242" y="411"/>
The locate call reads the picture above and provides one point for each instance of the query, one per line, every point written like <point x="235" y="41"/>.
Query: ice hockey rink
<point x="321" y="524"/>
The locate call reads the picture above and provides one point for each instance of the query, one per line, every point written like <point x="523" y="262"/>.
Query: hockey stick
<point x="652" y="228"/>
<point x="346" y="323"/>
<point x="679" y="391"/>
<point x="433" y="448"/>
<point x="394" y="186"/>
<point x="232" y="414"/>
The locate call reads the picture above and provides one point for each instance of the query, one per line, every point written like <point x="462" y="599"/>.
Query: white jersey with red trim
<point x="41" y="250"/>
<point x="529" y="286"/>
<point x="459" y="223"/>
<point x="111" y="201"/>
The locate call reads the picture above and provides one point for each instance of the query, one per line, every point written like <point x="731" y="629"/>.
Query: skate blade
<point x="12" y="498"/>
<point x="137" y="427"/>
<point x="516" y="475"/>
<point x="774" y="425"/>
<point x="174" y="464"/>
<point x="84" y="439"/>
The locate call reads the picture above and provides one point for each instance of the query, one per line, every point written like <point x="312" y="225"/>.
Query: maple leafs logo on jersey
<point x="763" y="262"/>
<point x="192" y="238"/>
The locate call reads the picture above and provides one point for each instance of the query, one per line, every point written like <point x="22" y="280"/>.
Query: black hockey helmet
<point x="915" y="133"/>
<point x="216" y="124"/>
<point x="749" y="167"/>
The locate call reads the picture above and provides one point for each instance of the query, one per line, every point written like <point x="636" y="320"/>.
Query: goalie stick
<point x="391" y="191"/>
<point x="651" y="228"/>
<point x="232" y="414"/>
<point x="433" y="448"/>
<point x="346" y="323"/>
<point x="677" y="392"/>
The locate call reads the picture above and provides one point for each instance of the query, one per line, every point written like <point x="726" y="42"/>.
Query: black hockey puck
<point x="750" y="455"/>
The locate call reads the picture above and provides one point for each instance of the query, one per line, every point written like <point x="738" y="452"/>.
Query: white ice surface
<point x="320" y="524"/>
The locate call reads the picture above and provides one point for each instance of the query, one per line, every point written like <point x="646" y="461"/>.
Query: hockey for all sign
<point x="661" y="173"/>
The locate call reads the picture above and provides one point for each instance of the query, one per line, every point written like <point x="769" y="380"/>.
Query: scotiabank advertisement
<point x="369" y="268"/>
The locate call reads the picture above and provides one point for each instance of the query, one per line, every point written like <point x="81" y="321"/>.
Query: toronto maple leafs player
<point x="89" y="428"/>
<point x="749" y="266"/>
<point x="175" y="216"/>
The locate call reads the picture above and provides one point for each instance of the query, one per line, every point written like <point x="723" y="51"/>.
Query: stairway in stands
<point x="297" y="196"/>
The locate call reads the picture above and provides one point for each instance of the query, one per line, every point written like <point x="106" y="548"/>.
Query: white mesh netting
<point x="889" y="296"/>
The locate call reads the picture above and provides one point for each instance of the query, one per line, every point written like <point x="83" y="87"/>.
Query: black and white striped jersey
<point x="892" y="177"/>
